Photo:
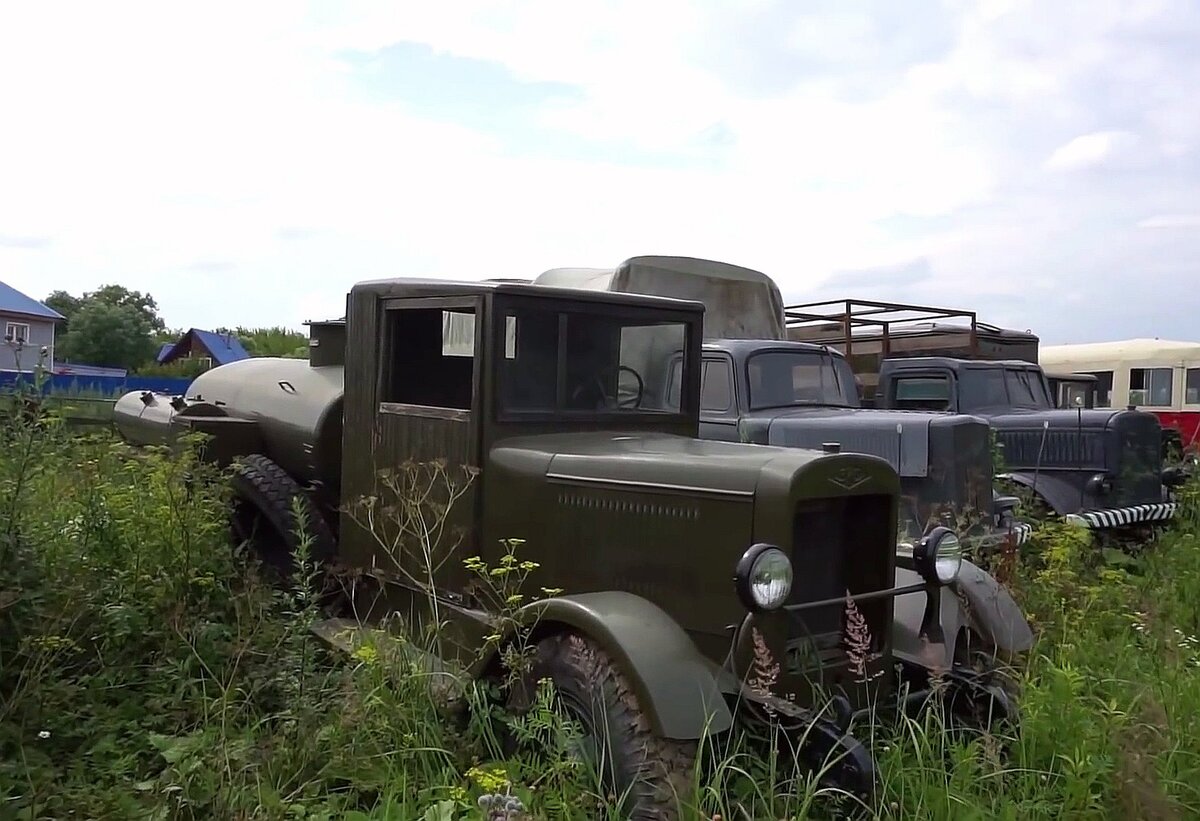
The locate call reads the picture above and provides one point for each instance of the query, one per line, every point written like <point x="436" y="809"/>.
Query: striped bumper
<point x="1021" y="532"/>
<point x="1121" y="516"/>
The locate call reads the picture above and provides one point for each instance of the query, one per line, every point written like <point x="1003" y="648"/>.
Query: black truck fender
<point x="1059" y="495"/>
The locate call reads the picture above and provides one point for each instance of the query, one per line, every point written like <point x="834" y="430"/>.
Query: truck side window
<point x="431" y="358"/>
<point x="716" y="380"/>
<point x="922" y="393"/>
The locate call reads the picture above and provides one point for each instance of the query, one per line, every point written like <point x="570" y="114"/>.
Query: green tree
<point x="114" y="336"/>
<point x="66" y="305"/>
<point x="273" y="341"/>
<point x="121" y="297"/>
<point x="110" y="326"/>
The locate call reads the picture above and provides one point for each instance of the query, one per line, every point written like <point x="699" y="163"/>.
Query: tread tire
<point x="262" y="487"/>
<point x="649" y="775"/>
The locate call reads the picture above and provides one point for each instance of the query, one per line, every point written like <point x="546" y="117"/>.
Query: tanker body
<point x="144" y="417"/>
<point x="296" y="408"/>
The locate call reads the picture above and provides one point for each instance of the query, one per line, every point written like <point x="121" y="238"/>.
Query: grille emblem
<point x="849" y="478"/>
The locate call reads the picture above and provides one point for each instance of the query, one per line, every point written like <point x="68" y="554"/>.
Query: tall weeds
<point x="146" y="672"/>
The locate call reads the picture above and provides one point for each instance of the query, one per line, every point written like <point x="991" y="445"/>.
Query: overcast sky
<point x="247" y="162"/>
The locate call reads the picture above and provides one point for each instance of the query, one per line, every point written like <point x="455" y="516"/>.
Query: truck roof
<point x="740" y="303"/>
<point x="958" y="364"/>
<point x="428" y="287"/>
<point x="744" y="347"/>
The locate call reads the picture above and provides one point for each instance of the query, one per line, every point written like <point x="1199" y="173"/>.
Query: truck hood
<point x="900" y="437"/>
<point x="659" y="459"/>
<point x="1058" y="418"/>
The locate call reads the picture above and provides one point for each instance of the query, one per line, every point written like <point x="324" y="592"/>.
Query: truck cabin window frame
<point x="717" y="396"/>
<point x="428" y="361"/>
<point x="922" y="392"/>
<point x="788" y="379"/>
<point x="587" y="361"/>
<point x="996" y="388"/>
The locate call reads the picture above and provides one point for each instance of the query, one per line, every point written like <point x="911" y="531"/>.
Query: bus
<point x="1157" y="375"/>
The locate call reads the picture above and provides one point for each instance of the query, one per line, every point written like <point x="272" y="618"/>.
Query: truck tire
<point x="647" y="775"/>
<point x="999" y="669"/>
<point x="262" y="516"/>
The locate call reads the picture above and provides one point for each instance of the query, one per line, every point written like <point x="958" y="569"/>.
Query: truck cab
<point x="1102" y="467"/>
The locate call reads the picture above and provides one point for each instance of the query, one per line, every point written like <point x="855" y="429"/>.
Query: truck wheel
<point x="997" y="669"/>
<point x="263" y="517"/>
<point x="648" y="776"/>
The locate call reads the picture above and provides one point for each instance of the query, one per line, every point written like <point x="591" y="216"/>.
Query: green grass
<point x="145" y="674"/>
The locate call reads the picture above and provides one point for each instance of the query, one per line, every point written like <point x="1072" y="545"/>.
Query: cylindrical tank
<point x="144" y="417"/>
<point x="298" y="408"/>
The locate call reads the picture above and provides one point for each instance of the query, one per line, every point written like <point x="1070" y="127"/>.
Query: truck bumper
<point x="1124" y="516"/>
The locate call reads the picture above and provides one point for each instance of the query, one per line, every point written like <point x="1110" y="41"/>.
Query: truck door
<point x="412" y="423"/>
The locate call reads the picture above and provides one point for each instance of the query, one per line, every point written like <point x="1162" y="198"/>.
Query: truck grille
<point x="1071" y="449"/>
<point x="1139" y="460"/>
<point x="840" y="545"/>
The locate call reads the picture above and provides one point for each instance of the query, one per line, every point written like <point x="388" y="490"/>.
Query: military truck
<point x="759" y="387"/>
<point x="1102" y="468"/>
<point x="681" y="560"/>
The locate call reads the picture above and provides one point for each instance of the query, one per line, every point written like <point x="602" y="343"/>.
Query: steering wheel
<point x="597" y="382"/>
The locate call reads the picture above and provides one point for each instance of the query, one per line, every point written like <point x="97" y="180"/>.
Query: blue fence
<point x="108" y="385"/>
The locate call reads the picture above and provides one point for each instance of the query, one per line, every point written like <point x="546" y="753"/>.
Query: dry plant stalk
<point x="858" y="642"/>
<point x="408" y="515"/>
<point x="765" y="671"/>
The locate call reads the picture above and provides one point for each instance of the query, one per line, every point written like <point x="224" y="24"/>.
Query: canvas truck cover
<point x="739" y="303"/>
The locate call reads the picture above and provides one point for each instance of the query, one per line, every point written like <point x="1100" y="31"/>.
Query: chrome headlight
<point x="938" y="556"/>
<point x="763" y="578"/>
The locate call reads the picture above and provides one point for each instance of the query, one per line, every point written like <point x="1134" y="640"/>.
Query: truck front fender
<point x="976" y="601"/>
<point x="681" y="690"/>
<point x="992" y="611"/>
<point x="1061" y="496"/>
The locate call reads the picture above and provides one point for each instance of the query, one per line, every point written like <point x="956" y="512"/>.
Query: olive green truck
<point x="681" y="561"/>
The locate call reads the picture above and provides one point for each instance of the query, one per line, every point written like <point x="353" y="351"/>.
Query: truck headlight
<point x="938" y="556"/>
<point x="763" y="578"/>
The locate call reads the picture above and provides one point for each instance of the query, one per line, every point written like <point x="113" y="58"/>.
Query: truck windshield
<point x="785" y="378"/>
<point x="558" y="360"/>
<point x="983" y="388"/>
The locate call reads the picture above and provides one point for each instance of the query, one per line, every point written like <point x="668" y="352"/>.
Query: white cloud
<point x="152" y="144"/>
<point x="1171" y="221"/>
<point x="1089" y="150"/>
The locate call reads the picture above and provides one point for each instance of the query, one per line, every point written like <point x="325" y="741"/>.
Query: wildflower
<point x="367" y="654"/>
<point x="44" y="734"/>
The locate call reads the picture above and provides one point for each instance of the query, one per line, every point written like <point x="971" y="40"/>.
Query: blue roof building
<point x="218" y="349"/>
<point x="26" y="327"/>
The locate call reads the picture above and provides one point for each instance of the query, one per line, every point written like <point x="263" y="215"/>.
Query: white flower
<point x="44" y="734"/>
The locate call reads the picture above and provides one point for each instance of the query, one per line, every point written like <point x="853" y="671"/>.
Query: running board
<point x="350" y="637"/>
